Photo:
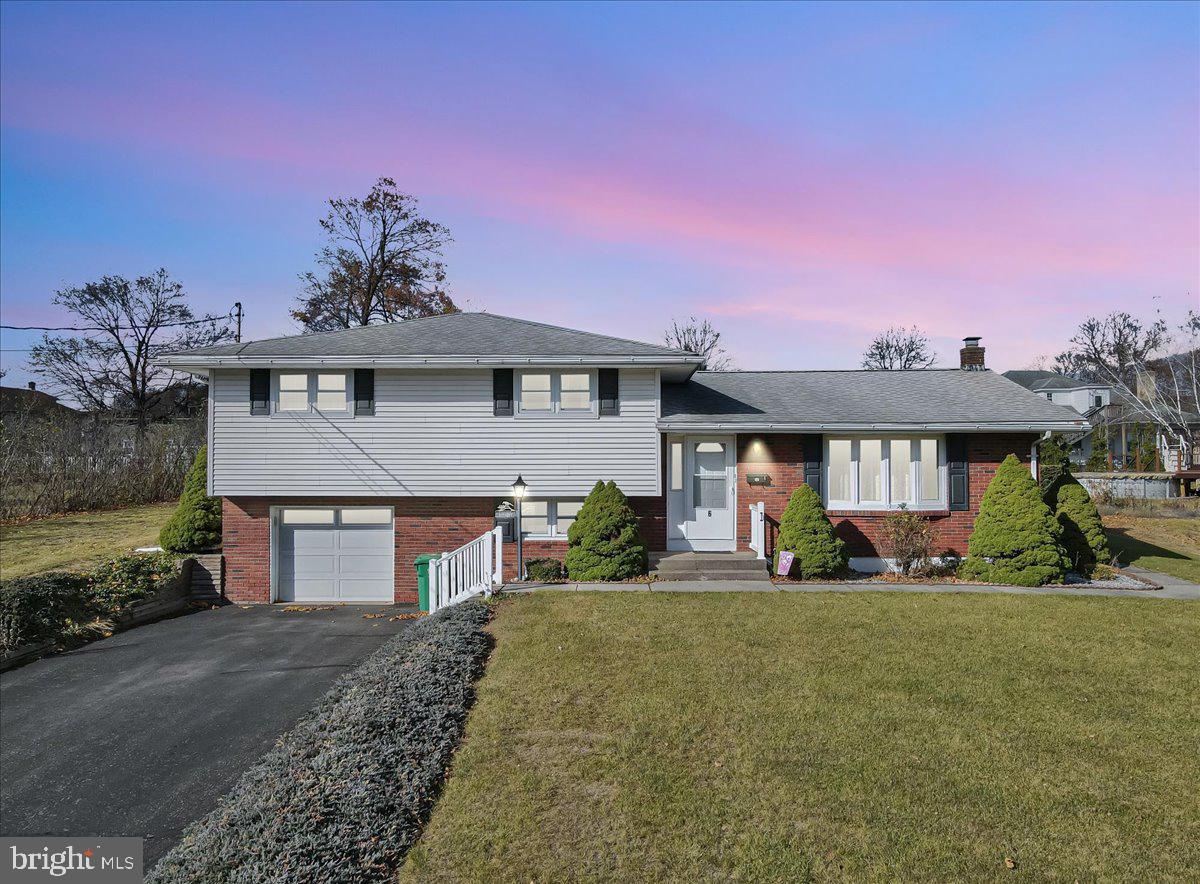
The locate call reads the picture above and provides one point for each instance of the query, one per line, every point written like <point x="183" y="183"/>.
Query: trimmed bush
<point x="806" y="531"/>
<point x="545" y="570"/>
<point x="605" y="543"/>
<point x="124" y="580"/>
<point x="1017" y="540"/>
<point x="344" y="795"/>
<point x="1083" y="536"/>
<point x="42" y="607"/>
<point x="196" y="523"/>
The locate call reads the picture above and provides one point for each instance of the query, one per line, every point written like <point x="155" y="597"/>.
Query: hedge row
<point x="343" y="796"/>
<point x="49" y="607"/>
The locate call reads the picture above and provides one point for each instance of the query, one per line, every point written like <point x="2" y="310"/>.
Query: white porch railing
<point x="472" y="569"/>
<point x="758" y="528"/>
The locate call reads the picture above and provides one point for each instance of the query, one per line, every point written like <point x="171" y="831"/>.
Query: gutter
<point x="185" y="361"/>
<point x="668" y="426"/>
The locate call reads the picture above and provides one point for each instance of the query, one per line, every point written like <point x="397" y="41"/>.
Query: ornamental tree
<point x="1017" y="540"/>
<point x="605" y="542"/>
<point x="806" y="532"/>
<point x="1083" y="536"/>
<point x="196" y="523"/>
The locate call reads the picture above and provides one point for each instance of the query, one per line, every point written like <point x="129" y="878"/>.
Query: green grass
<point x="78" y="540"/>
<point x="1168" y="545"/>
<point x="639" y="736"/>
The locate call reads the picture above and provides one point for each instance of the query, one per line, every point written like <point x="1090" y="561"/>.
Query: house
<point x="1063" y="390"/>
<point x="30" y="402"/>
<point x="1127" y="441"/>
<point x="342" y="455"/>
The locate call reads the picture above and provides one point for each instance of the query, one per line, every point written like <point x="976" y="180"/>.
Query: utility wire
<point x="118" y="328"/>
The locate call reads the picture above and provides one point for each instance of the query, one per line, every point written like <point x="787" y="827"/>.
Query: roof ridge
<point x="582" y="332"/>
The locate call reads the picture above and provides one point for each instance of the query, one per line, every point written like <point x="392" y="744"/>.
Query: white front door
<point x="707" y="515"/>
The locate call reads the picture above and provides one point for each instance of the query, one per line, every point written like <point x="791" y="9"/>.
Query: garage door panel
<point x="349" y="558"/>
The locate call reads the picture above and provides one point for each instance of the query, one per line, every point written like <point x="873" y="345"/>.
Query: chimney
<point x="32" y="385"/>
<point x="970" y="357"/>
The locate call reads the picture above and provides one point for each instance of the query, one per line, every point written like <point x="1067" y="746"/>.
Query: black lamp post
<point x="518" y="490"/>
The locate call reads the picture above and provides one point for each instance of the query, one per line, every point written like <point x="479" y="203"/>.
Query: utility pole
<point x="237" y="309"/>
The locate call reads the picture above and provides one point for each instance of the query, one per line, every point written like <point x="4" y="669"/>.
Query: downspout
<point x="1033" y="453"/>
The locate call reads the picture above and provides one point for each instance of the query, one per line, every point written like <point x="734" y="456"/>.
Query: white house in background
<point x="1063" y="390"/>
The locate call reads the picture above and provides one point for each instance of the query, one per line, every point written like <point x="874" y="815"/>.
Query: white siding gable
<point x="433" y="434"/>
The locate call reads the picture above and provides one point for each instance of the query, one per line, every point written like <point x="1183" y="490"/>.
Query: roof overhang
<point x="675" y="368"/>
<point x="670" y="426"/>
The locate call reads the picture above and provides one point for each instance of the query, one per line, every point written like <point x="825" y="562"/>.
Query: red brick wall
<point x="423" y="525"/>
<point x="782" y="457"/>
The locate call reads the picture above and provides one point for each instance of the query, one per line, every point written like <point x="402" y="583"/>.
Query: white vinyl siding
<point x="433" y="434"/>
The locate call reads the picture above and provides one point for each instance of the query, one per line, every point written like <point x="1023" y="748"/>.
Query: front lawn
<point x="1169" y="545"/>
<point x="79" y="539"/>
<point x="638" y="736"/>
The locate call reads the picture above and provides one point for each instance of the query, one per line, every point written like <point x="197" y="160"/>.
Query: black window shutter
<point x="957" y="468"/>
<point x="502" y="392"/>
<point x="610" y="391"/>
<point x="814" y="455"/>
<point x="364" y="391"/>
<point x="260" y="391"/>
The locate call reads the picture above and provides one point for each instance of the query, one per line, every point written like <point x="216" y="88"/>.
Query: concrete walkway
<point x="1173" y="587"/>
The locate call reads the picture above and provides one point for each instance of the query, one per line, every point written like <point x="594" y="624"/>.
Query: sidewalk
<point x="1172" y="587"/>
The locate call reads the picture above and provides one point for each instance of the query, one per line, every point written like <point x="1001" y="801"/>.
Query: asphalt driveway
<point x="141" y="733"/>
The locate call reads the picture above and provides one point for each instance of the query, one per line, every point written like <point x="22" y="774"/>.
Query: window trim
<point x="556" y="410"/>
<point x="885" y="466"/>
<point x="551" y="518"/>
<point x="311" y="374"/>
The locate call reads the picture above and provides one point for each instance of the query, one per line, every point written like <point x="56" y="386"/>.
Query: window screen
<point x="535" y="391"/>
<point x="576" y="391"/>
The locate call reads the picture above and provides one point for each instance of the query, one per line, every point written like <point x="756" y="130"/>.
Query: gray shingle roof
<point x="455" y="334"/>
<point x="829" y="398"/>
<point x="1043" y="380"/>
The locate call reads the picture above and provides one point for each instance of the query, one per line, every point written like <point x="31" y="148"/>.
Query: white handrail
<point x="468" y="571"/>
<point x="758" y="528"/>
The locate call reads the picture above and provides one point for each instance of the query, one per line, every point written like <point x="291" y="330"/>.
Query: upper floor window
<point x="306" y="390"/>
<point x="880" y="473"/>
<point x="556" y="392"/>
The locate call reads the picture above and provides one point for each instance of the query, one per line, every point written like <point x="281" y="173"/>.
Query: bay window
<point x="882" y="473"/>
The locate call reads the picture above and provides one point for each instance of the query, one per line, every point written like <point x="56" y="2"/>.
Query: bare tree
<point x="1112" y="347"/>
<point x="699" y="337"/>
<point x="128" y="324"/>
<point x="897" y="349"/>
<point x="1154" y="370"/>
<point x="382" y="263"/>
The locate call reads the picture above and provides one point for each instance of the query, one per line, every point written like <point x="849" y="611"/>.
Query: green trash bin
<point x="422" y="562"/>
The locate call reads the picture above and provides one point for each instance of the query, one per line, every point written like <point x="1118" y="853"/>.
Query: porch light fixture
<point x="518" y="491"/>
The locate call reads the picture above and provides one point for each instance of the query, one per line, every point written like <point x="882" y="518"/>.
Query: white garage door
<point x="335" y="554"/>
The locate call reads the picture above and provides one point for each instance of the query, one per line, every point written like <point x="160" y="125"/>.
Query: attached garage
<point x="334" y="554"/>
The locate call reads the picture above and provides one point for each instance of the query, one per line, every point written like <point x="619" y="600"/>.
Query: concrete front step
<point x="673" y="576"/>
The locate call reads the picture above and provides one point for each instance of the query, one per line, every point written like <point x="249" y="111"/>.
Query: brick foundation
<point x="782" y="457"/>
<point x="423" y="525"/>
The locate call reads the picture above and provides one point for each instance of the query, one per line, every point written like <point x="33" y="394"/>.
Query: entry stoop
<point x="708" y="566"/>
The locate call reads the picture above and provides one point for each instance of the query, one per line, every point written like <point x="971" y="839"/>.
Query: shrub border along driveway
<point x="343" y="796"/>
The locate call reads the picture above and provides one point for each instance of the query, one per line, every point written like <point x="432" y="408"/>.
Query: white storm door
<point x="710" y="477"/>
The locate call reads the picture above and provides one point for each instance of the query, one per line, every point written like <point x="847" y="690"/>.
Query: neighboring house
<point x="29" y="401"/>
<point x="1063" y="390"/>
<point x="340" y="456"/>
<point x="1117" y="421"/>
